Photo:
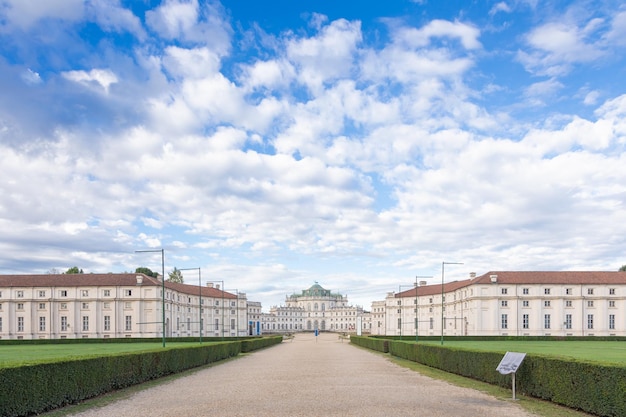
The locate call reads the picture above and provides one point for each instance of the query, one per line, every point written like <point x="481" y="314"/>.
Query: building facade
<point x="506" y="303"/>
<point x="315" y="308"/>
<point x="58" y="306"/>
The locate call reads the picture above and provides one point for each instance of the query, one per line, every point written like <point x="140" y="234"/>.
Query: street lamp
<point x="199" y="295"/>
<point x="443" y="264"/>
<point x="417" y="317"/>
<point x="162" y="285"/>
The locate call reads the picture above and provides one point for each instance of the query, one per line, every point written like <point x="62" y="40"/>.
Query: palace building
<point x="313" y="309"/>
<point x="58" y="306"/>
<point x="509" y="303"/>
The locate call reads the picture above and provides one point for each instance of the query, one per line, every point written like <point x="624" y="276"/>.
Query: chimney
<point x="209" y="284"/>
<point x="494" y="278"/>
<point x="139" y="279"/>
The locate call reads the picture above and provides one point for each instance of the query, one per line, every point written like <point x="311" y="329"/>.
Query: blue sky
<point x="274" y="147"/>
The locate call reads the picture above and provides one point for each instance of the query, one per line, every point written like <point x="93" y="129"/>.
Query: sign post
<point x="509" y="365"/>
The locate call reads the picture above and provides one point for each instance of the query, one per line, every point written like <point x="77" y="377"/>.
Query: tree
<point x="146" y="271"/>
<point x="175" y="276"/>
<point x="74" y="270"/>
<point x="623" y="268"/>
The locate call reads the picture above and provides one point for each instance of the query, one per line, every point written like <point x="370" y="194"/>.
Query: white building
<point x="506" y="303"/>
<point x="315" y="308"/>
<point x="115" y="305"/>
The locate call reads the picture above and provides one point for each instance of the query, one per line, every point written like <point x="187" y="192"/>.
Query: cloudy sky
<point x="273" y="147"/>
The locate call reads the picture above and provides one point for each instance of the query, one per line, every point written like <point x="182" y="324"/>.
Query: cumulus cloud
<point x="102" y="78"/>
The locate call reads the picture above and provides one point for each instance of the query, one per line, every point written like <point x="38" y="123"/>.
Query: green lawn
<point x="588" y="350"/>
<point x="12" y="355"/>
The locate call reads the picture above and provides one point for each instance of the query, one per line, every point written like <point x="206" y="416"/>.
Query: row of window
<point x="546" y="291"/>
<point x="63" y="293"/>
<point x="547" y="321"/>
<point x="548" y="303"/>
<point x="128" y="323"/>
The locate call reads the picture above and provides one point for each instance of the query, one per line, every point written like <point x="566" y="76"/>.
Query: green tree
<point x="74" y="270"/>
<point x="175" y="276"/>
<point x="623" y="268"/>
<point x="146" y="271"/>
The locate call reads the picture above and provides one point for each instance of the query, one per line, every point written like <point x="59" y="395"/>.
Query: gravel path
<point x="308" y="376"/>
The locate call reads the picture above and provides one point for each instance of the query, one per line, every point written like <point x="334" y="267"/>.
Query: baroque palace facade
<point x="57" y="306"/>
<point x="508" y="303"/>
<point x="315" y="308"/>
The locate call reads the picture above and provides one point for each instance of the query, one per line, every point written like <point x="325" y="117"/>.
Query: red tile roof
<point x="103" y="280"/>
<point x="526" y="277"/>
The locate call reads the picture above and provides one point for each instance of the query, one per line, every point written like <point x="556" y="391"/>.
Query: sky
<point x="274" y="145"/>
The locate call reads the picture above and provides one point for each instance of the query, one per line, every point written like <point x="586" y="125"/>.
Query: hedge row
<point x="594" y="388"/>
<point x="41" y="387"/>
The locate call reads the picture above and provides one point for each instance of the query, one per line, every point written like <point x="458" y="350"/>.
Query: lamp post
<point x="162" y="285"/>
<point x="199" y="295"/>
<point x="443" y="265"/>
<point x="417" y="317"/>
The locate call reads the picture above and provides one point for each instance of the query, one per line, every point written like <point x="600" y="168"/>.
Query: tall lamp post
<point x="443" y="265"/>
<point x="417" y="317"/>
<point x="162" y="285"/>
<point x="199" y="295"/>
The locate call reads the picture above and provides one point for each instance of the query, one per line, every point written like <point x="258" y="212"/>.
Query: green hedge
<point x="250" y="345"/>
<point x="594" y="388"/>
<point x="42" y="387"/>
<point x="379" y="345"/>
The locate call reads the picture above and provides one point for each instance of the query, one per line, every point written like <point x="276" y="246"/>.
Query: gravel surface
<point x="308" y="376"/>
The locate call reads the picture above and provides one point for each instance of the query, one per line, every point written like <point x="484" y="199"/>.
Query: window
<point x="127" y="305"/>
<point x="85" y="323"/>
<point x="217" y="324"/>
<point x="611" y="304"/>
<point x="20" y="306"/>
<point x="129" y="323"/>
<point x="107" y="306"/>
<point x="42" y="324"/>
<point x="568" y="303"/>
<point x="546" y="291"/>
<point x="42" y="293"/>
<point x="400" y="323"/>
<point x="504" y="303"/>
<point x="612" y="321"/>
<point x="63" y="293"/>
<point x="589" y="291"/>
<point x="0" y="324"/>
<point x="42" y="306"/>
<point x="505" y="321"/>
<point x="525" y="303"/>
<point x="84" y="293"/>
<point x="568" y="291"/>
<point x="0" y="306"/>
<point x="20" y="294"/>
<point x="525" y="291"/>
<point x="590" y="321"/>
<point x="85" y="306"/>
<point x="611" y="291"/>
<point x="63" y="306"/>
<point x="504" y="291"/>
<point x="430" y="300"/>
<point x="218" y="303"/>
<point x="64" y="323"/>
<point x="589" y="303"/>
<point x="568" y="321"/>
<point x="546" y="303"/>
<point x="128" y="293"/>
<point x="107" y="323"/>
<point x="106" y="293"/>
<point x="546" y="321"/>
<point x="432" y="323"/>
<point x="20" y="324"/>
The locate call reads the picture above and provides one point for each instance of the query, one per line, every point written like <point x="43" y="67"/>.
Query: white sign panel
<point x="510" y="362"/>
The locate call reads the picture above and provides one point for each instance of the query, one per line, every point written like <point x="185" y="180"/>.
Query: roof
<point x="526" y="277"/>
<point x="102" y="280"/>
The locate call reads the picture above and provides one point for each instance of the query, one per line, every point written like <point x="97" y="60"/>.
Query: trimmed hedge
<point x="594" y="388"/>
<point x="379" y="345"/>
<point x="42" y="387"/>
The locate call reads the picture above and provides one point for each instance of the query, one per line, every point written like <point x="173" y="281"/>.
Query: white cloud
<point x="466" y="34"/>
<point x="101" y="77"/>
<point x="500" y="7"/>
<point x="110" y="15"/>
<point x="25" y="13"/>
<point x="31" y="77"/>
